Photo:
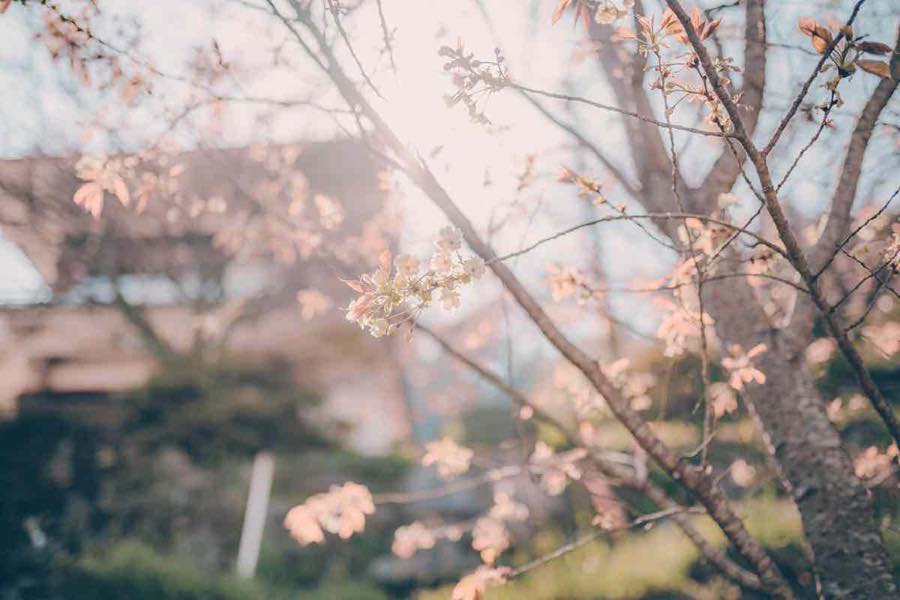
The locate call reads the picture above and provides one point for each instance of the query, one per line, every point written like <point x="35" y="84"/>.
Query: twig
<point x="590" y="537"/>
<point x="616" y="109"/>
<point x="803" y="90"/>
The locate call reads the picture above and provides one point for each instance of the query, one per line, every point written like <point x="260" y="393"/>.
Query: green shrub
<point x="134" y="571"/>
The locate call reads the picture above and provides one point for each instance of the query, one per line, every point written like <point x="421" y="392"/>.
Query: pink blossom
<point x="450" y="458"/>
<point x="740" y="367"/>
<point x="411" y="538"/>
<point x="342" y="511"/>
<point x="473" y="585"/>
<point x="555" y="469"/>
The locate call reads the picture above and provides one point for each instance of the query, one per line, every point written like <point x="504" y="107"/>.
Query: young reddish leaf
<point x="821" y="37"/>
<point x="90" y="198"/>
<point x="875" y="67"/>
<point x="807" y="26"/>
<point x="585" y="13"/>
<point x="645" y="23"/>
<point x="669" y="22"/>
<point x="354" y="285"/>
<point x="560" y="9"/>
<point x="4" y="4"/>
<point x="120" y="189"/>
<point x="624" y="33"/>
<point x="874" y="48"/>
<point x="821" y="40"/>
<point x="696" y="20"/>
<point x="710" y="27"/>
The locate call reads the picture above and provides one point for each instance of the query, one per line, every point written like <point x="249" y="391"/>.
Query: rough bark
<point x="837" y="515"/>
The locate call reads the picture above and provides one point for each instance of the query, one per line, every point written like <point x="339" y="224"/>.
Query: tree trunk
<point x="838" y="521"/>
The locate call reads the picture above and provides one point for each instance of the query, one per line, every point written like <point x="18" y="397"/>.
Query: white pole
<point x="255" y="515"/>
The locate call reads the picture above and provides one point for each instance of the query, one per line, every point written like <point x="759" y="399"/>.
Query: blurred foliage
<point x="133" y="570"/>
<point x="214" y="411"/>
<point x="49" y="486"/>
<point x="140" y="495"/>
<point x="144" y="491"/>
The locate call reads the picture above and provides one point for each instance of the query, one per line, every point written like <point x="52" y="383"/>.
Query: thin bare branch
<point x="616" y="109"/>
<point x="842" y="202"/>
<point x="607" y="467"/>
<point x="587" y="538"/>
<point x="452" y="488"/>
<point x="651" y="216"/>
<point x="622" y="178"/>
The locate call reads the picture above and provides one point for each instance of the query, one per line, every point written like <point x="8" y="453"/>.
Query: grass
<point x="639" y="564"/>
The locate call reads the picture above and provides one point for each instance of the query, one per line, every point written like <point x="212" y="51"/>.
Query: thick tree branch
<point x="727" y="168"/>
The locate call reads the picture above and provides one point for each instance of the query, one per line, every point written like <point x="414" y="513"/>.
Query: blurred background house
<point x="172" y="340"/>
<point x="134" y="289"/>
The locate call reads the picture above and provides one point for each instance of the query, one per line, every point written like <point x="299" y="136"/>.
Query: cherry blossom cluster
<point x="566" y="282"/>
<point x="341" y="511"/>
<point x="102" y="175"/>
<point x="284" y="217"/>
<point x="740" y="366"/>
<point x="68" y="38"/>
<point x="578" y="392"/>
<point x="416" y="536"/>
<point x="873" y="463"/>
<point x="603" y="12"/>
<point x="450" y="459"/>
<point x="588" y="187"/>
<point x="680" y="325"/>
<point x="722" y="398"/>
<point x="635" y="386"/>
<point x="653" y="39"/>
<point x="705" y="238"/>
<point x="885" y="337"/>
<point x="473" y="79"/>
<point x="555" y="470"/>
<point x="396" y="293"/>
<point x="135" y="177"/>
<point x="278" y="215"/>
<point x="490" y="536"/>
<point x="473" y="585"/>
